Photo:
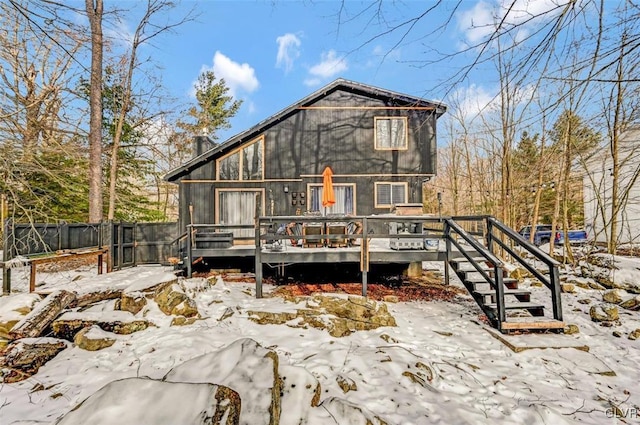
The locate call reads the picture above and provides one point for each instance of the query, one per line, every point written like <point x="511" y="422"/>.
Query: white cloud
<point x="477" y="23"/>
<point x="473" y="100"/>
<point x="330" y="65"/>
<point x="481" y="20"/>
<point x="288" y="51"/>
<point x="238" y="77"/>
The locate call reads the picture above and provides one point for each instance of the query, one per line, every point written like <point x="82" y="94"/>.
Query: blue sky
<point x="273" y="53"/>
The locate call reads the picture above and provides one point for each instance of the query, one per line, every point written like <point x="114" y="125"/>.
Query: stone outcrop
<point x="22" y="359"/>
<point x="635" y="334"/>
<point x="119" y="322"/>
<point x="346" y="384"/>
<point x="147" y="401"/>
<point x="604" y="312"/>
<point x="339" y="316"/>
<point x="613" y="296"/>
<point x="631" y="303"/>
<point x="133" y="302"/>
<point x="248" y="368"/>
<point x="172" y="300"/>
<point x="93" y="339"/>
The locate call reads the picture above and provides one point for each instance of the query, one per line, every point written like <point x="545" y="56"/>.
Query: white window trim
<point x="240" y="159"/>
<point x="375" y="134"/>
<point x="375" y="193"/>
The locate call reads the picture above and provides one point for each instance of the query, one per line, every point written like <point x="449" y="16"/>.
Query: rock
<point x="631" y="303"/>
<point x="585" y="301"/>
<point x="119" y="322"/>
<point x="617" y="334"/>
<point x="345" y="412"/>
<point x="519" y="273"/>
<point x="183" y="321"/>
<point x="633" y="335"/>
<point x="346" y="384"/>
<point x="172" y="300"/>
<point x="596" y="286"/>
<point x="269" y="317"/>
<point x="246" y="367"/>
<point x="351" y="314"/>
<point x="536" y="284"/>
<point x="93" y="339"/>
<point x="390" y="299"/>
<point x="133" y="302"/>
<point x="568" y="288"/>
<point x="300" y="393"/>
<point x="613" y="296"/>
<point x="582" y="285"/>
<point x="150" y="287"/>
<point x="389" y="339"/>
<point x="340" y="316"/>
<point x="604" y="313"/>
<point x="24" y="357"/>
<point x="147" y="401"/>
<point x="571" y="329"/>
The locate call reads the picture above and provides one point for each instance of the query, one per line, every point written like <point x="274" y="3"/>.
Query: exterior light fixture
<point x="286" y="189"/>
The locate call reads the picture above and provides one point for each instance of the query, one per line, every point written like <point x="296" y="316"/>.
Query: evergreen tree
<point x="215" y="107"/>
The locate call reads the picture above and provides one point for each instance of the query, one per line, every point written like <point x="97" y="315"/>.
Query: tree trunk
<point x="39" y="318"/>
<point x="94" y="10"/>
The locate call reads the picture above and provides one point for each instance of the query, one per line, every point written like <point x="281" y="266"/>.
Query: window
<point x="388" y="194"/>
<point x="237" y="207"/>
<point x="345" y="199"/>
<point x="391" y="133"/>
<point x="244" y="164"/>
<point x="229" y="167"/>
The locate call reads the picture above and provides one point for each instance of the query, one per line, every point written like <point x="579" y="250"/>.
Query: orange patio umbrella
<point x="328" y="197"/>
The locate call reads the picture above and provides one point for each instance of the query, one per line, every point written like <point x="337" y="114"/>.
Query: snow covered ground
<point x="477" y="379"/>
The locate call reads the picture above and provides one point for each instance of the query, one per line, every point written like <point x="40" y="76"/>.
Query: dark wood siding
<point x="343" y="138"/>
<point x="337" y="131"/>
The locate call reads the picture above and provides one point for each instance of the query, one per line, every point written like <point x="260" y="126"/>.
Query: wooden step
<point x="462" y="260"/>
<point x="486" y="292"/>
<point x="533" y="308"/>
<point x="521" y="323"/>
<point x="508" y="282"/>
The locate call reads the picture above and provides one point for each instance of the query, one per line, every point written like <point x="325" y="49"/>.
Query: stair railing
<point x="552" y="281"/>
<point x="496" y="282"/>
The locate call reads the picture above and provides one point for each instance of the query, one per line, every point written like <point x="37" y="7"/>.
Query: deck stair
<point x="507" y="306"/>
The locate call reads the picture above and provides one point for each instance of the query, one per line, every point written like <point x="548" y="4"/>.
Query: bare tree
<point x="94" y="10"/>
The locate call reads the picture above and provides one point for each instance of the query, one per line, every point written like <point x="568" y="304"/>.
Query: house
<point x="598" y="189"/>
<point x="380" y="146"/>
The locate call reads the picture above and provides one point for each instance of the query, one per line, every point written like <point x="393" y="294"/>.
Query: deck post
<point x="556" y="296"/>
<point x="189" y="247"/>
<point x="6" y="272"/>
<point x="258" y="258"/>
<point x="489" y="235"/>
<point x="364" y="257"/>
<point x="447" y="254"/>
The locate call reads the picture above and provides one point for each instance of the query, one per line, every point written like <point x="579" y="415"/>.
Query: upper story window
<point x="244" y="164"/>
<point x="391" y="133"/>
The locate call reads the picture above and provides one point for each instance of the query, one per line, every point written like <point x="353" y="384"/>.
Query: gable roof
<point x="339" y="84"/>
